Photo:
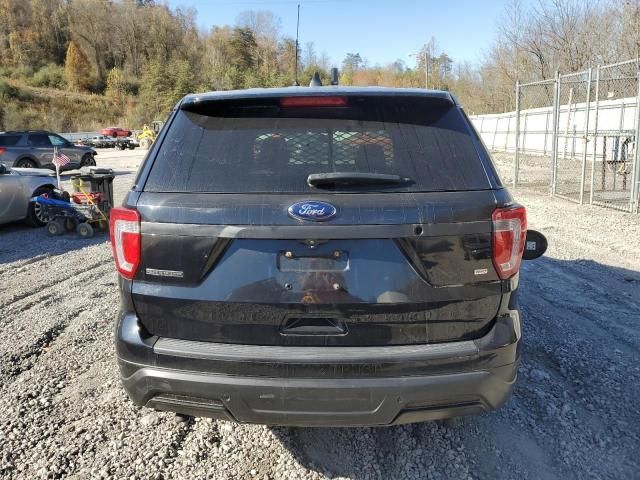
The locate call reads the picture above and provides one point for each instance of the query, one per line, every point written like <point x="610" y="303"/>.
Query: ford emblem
<point x="312" y="210"/>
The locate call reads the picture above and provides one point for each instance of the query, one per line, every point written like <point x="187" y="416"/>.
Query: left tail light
<point x="2" y="150"/>
<point x="124" y="229"/>
<point x="509" y="234"/>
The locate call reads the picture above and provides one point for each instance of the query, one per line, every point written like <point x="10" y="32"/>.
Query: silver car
<point x="17" y="187"/>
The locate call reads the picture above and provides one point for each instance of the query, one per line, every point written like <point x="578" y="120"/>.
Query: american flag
<point x="60" y="159"/>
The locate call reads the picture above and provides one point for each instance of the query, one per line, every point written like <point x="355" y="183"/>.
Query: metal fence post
<point x="595" y="136"/>
<point x="524" y="133"/>
<point x="546" y="132"/>
<point x="516" y="159"/>
<point x="635" y="175"/>
<point x="585" y="137"/>
<point x="554" y="135"/>
<point x="506" y="137"/>
<point x="495" y="132"/>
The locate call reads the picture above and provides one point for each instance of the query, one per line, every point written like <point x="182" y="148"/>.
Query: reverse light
<point x="509" y="235"/>
<point x="124" y="229"/>
<point x="318" y="101"/>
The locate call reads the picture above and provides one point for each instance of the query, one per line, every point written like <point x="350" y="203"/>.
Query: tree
<point x="309" y="55"/>
<point x="115" y="84"/>
<point x="243" y="48"/>
<point x="287" y="60"/>
<point x="351" y="62"/>
<point x="77" y="69"/>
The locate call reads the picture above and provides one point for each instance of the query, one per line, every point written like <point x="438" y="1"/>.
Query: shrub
<point x="51" y="75"/>
<point x="21" y="72"/>
<point x="7" y="90"/>
<point x="131" y="86"/>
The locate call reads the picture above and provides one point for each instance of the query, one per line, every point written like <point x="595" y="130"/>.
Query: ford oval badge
<point x="312" y="210"/>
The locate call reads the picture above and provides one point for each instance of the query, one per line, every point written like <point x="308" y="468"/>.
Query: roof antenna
<point x="315" y="80"/>
<point x="295" y="82"/>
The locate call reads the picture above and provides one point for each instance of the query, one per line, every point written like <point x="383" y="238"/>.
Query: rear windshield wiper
<point x="356" y="179"/>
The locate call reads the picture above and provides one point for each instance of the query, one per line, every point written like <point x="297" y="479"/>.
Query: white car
<point x="17" y="187"/>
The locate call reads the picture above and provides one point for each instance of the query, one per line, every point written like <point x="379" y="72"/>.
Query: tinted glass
<point x="39" y="140"/>
<point x="9" y="140"/>
<point x="57" y="141"/>
<point x="269" y="153"/>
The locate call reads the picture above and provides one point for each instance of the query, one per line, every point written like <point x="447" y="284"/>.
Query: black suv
<point x="34" y="149"/>
<point x="319" y="256"/>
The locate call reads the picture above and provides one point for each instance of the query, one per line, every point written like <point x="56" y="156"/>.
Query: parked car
<point x="17" y="187"/>
<point x="115" y="132"/>
<point x="319" y="256"/>
<point x="133" y="141"/>
<point x="34" y="149"/>
<point x="102" y="141"/>
<point x="123" y="143"/>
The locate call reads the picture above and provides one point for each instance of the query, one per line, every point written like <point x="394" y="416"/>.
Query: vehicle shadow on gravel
<point x="404" y="451"/>
<point x="20" y="242"/>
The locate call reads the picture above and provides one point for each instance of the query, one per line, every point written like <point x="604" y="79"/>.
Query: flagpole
<point x="55" y="154"/>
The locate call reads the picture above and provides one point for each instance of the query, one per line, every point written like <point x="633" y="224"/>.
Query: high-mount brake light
<point x="318" y="101"/>
<point x="509" y="235"/>
<point x="124" y="229"/>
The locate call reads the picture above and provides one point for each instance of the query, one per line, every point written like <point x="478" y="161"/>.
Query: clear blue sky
<point x="380" y="30"/>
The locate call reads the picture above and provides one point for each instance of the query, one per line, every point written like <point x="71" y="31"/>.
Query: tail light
<point x="509" y="234"/>
<point x="2" y="150"/>
<point x="124" y="228"/>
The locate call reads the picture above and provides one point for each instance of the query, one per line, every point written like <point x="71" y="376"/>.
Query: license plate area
<point x="337" y="261"/>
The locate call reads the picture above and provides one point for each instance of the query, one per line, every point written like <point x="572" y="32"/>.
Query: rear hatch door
<point x="391" y="246"/>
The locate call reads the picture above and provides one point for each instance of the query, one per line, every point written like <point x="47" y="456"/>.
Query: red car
<point x="115" y="132"/>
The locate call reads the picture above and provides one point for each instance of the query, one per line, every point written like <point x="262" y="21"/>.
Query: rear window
<point x="264" y="149"/>
<point x="39" y="140"/>
<point x="9" y="140"/>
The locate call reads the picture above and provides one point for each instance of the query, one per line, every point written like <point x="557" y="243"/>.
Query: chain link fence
<point x="573" y="136"/>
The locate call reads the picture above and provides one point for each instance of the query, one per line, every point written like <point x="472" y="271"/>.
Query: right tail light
<point x="124" y="229"/>
<point x="509" y="234"/>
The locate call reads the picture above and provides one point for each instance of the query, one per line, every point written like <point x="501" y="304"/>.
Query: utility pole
<point x="426" y="64"/>
<point x="426" y="68"/>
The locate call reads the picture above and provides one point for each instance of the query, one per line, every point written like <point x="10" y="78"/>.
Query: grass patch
<point x="30" y="108"/>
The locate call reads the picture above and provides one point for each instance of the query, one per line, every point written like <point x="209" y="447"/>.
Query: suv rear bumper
<point x="324" y="386"/>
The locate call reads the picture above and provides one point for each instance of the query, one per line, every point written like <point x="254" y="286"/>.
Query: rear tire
<point x="25" y="163"/>
<point x="55" y="228"/>
<point x="84" y="230"/>
<point x="35" y="212"/>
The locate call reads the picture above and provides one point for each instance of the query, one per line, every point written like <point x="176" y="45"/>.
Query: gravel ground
<point x="574" y="413"/>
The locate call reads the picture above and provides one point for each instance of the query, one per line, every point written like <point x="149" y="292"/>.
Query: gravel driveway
<point x="574" y="414"/>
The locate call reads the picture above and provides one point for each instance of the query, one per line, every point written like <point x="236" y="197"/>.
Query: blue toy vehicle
<point x="66" y="216"/>
<point x="85" y="209"/>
